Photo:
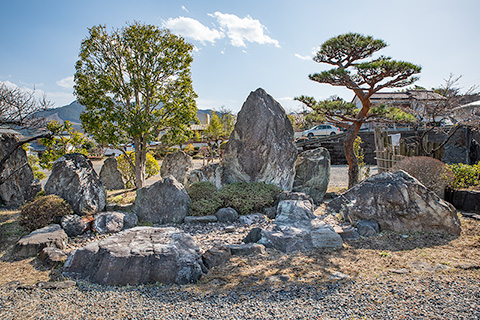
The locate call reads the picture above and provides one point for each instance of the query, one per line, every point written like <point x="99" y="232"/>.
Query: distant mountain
<point x="72" y="113"/>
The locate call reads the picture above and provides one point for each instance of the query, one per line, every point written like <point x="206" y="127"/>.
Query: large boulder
<point x="312" y="173"/>
<point x="74" y="180"/>
<point x="296" y="228"/>
<point x="261" y="147"/>
<point x="110" y="176"/>
<point x="32" y="244"/>
<point x="165" y="201"/>
<point x="21" y="186"/>
<point x="138" y="256"/>
<point x="176" y="164"/>
<point x="397" y="202"/>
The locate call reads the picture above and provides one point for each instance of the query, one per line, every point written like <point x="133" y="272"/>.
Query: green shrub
<point x="432" y="173"/>
<point x="205" y="200"/>
<point x="43" y="211"/>
<point x="152" y="168"/>
<point x="465" y="175"/>
<point x="248" y="197"/>
<point x="201" y="190"/>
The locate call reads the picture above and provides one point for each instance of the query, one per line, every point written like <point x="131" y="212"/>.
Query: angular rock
<point x="261" y="147"/>
<point x="397" y="202"/>
<point x="108" y="222"/>
<point x="74" y="180"/>
<point x="211" y="172"/>
<point x="52" y="257"/>
<point x="74" y="225"/>
<point x="130" y="220"/>
<point x="347" y="233"/>
<point x="139" y="255"/>
<point x="246" y="249"/>
<point x="21" y="186"/>
<point x="252" y="218"/>
<point x="293" y="212"/>
<point x="216" y="256"/>
<point x="291" y="195"/>
<point x="165" y="201"/>
<point x="201" y="219"/>
<point x="176" y="164"/>
<point x="368" y="228"/>
<point x="226" y="215"/>
<point x="312" y="173"/>
<point x="32" y="244"/>
<point x="253" y="236"/>
<point x="110" y="176"/>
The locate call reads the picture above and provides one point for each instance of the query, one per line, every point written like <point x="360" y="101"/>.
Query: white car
<point x="321" y="130"/>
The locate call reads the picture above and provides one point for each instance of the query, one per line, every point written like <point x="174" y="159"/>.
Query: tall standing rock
<point x="21" y="186"/>
<point x="111" y="176"/>
<point x="312" y="173"/>
<point x="261" y="147"/>
<point x="74" y="180"/>
<point x="176" y="164"/>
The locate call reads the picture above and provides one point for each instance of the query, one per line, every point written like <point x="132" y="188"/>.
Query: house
<point x="467" y="111"/>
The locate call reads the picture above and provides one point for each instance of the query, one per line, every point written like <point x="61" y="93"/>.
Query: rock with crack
<point x="296" y="228"/>
<point x="165" y="201"/>
<point x="32" y="244"/>
<point x="136" y="256"/>
<point x="397" y="202"/>
<point x="312" y="173"/>
<point x="261" y="147"/>
<point x="74" y="180"/>
<point x="176" y="164"/>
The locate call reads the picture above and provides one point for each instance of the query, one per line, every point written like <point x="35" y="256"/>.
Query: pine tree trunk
<point x="140" y="162"/>
<point x="352" y="160"/>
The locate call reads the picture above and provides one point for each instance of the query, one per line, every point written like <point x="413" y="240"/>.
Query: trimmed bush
<point x="43" y="211"/>
<point x="432" y="173"/>
<point x="201" y="190"/>
<point x="205" y="200"/>
<point x="248" y="197"/>
<point x="465" y="175"/>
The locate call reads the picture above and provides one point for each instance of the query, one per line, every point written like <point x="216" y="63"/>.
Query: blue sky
<point x="242" y="45"/>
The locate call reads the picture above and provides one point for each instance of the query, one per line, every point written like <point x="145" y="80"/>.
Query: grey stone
<point x="252" y="218"/>
<point x="246" y="249"/>
<point x="139" y="255"/>
<point x="200" y="219"/>
<point x="397" y="202"/>
<point x="211" y="173"/>
<point x="74" y="180"/>
<point x="110" y="176"/>
<point x="216" y="256"/>
<point x="165" y="201"/>
<point x="337" y="275"/>
<point x="21" y="186"/>
<point x="368" y="228"/>
<point x="229" y="229"/>
<point x="291" y="195"/>
<point x="347" y="233"/>
<point x="293" y="212"/>
<point x="32" y="244"/>
<point x="52" y="257"/>
<point x="253" y="236"/>
<point x="261" y="147"/>
<point x="227" y="215"/>
<point x="108" y="222"/>
<point x="130" y="220"/>
<point x="74" y="225"/>
<point x="176" y="164"/>
<point x="56" y="285"/>
<point x="279" y="278"/>
<point x="312" y="173"/>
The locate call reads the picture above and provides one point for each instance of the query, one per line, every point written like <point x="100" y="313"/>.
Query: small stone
<point x="216" y="256"/>
<point x="338" y="276"/>
<point x="368" y="228"/>
<point x="246" y="249"/>
<point x="347" y="233"/>
<point x="229" y="229"/>
<point x="52" y="257"/>
<point x="56" y="285"/>
<point x="227" y="215"/>
<point x="74" y="225"/>
<point x="202" y="219"/>
<point x="253" y="236"/>
<point x="279" y="278"/>
<point x="399" y="271"/>
<point x="108" y="222"/>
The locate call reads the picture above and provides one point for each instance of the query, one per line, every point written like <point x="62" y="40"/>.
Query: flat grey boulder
<point x="312" y="173"/>
<point x="200" y="219"/>
<point x="139" y="255"/>
<point x="261" y="147"/>
<point x="32" y="244"/>
<point x="110" y="176"/>
<point x="52" y="257"/>
<point x="296" y="228"/>
<point x="74" y="180"/>
<point x="165" y="201"/>
<point x="21" y="186"/>
<point x="397" y="202"/>
<point x="176" y="164"/>
<point x="109" y="222"/>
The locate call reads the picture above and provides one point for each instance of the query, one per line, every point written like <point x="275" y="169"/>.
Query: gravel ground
<point x="429" y="297"/>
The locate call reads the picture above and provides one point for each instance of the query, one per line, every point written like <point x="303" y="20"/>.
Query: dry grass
<point x="364" y="258"/>
<point x="125" y="196"/>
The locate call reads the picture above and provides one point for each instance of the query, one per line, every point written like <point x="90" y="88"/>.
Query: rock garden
<point x="262" y="219"/>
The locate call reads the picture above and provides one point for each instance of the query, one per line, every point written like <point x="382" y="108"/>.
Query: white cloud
<point x="185" y="9"/>
<point x="193" y="29"/>
<point x="302" y="57"/>
<point x="66" y="83"/>
<point x="240" y="30"/>
<point x="58" y="98"/>
<point x="285" y="99"/>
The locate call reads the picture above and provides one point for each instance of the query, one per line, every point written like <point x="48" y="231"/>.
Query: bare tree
<point x="17" y="108"/>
